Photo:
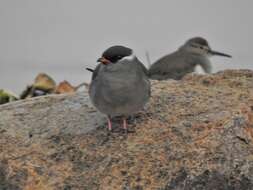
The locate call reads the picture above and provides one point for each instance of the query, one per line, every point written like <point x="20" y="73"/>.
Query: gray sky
<point x="62" y="37"/>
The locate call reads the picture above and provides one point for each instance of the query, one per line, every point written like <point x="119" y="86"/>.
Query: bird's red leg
<point x="124" y="123"/>
<point x="109" y="123"/>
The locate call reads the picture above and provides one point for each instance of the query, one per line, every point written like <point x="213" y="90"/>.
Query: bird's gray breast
<point x="121" y="88"/>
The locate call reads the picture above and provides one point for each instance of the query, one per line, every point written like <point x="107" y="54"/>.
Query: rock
<point x="65" y="87"/>
<point x="6" y="97"/>
<point x="193" y="134"/>
<point x="44" y="82"/>
<point x="43" y="85"/>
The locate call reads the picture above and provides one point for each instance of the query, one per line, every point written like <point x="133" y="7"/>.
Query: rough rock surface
<point x="194" y="134"/>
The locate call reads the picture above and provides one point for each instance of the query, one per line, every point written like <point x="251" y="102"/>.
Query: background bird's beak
<point x="219" y="53"/>
<point x="103" y="60"/>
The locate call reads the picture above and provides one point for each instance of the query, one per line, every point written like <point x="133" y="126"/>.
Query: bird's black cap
<point x="115" y="53"/>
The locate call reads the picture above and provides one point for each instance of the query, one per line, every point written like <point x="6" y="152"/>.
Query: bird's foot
<point x="109" y="125"/>
<point x="125" y="124"/>
<point x="125" y="127"/>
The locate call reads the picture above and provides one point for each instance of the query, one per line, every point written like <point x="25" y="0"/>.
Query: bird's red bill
<point x="104" y="61"/>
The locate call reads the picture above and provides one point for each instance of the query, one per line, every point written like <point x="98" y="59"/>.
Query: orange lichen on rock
<point x="65" y="87"/>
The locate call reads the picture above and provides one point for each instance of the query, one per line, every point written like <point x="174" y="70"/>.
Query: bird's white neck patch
<point x="129" y="58"/>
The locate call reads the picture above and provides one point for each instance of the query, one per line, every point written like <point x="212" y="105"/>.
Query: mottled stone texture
<point x="194" y="134"/>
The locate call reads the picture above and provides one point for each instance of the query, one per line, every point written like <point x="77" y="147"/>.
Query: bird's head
<point x="200" y="46"/>
<point x="115" y="54"/>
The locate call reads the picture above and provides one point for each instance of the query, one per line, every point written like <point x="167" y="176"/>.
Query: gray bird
<point x="120" y="84"/>
<point x="195" y="51"/>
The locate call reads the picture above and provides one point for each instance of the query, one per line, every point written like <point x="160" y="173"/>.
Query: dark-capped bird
<point x="120" y="84"/>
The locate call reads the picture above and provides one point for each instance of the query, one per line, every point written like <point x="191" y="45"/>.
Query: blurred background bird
<point x="196" y="51"/>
